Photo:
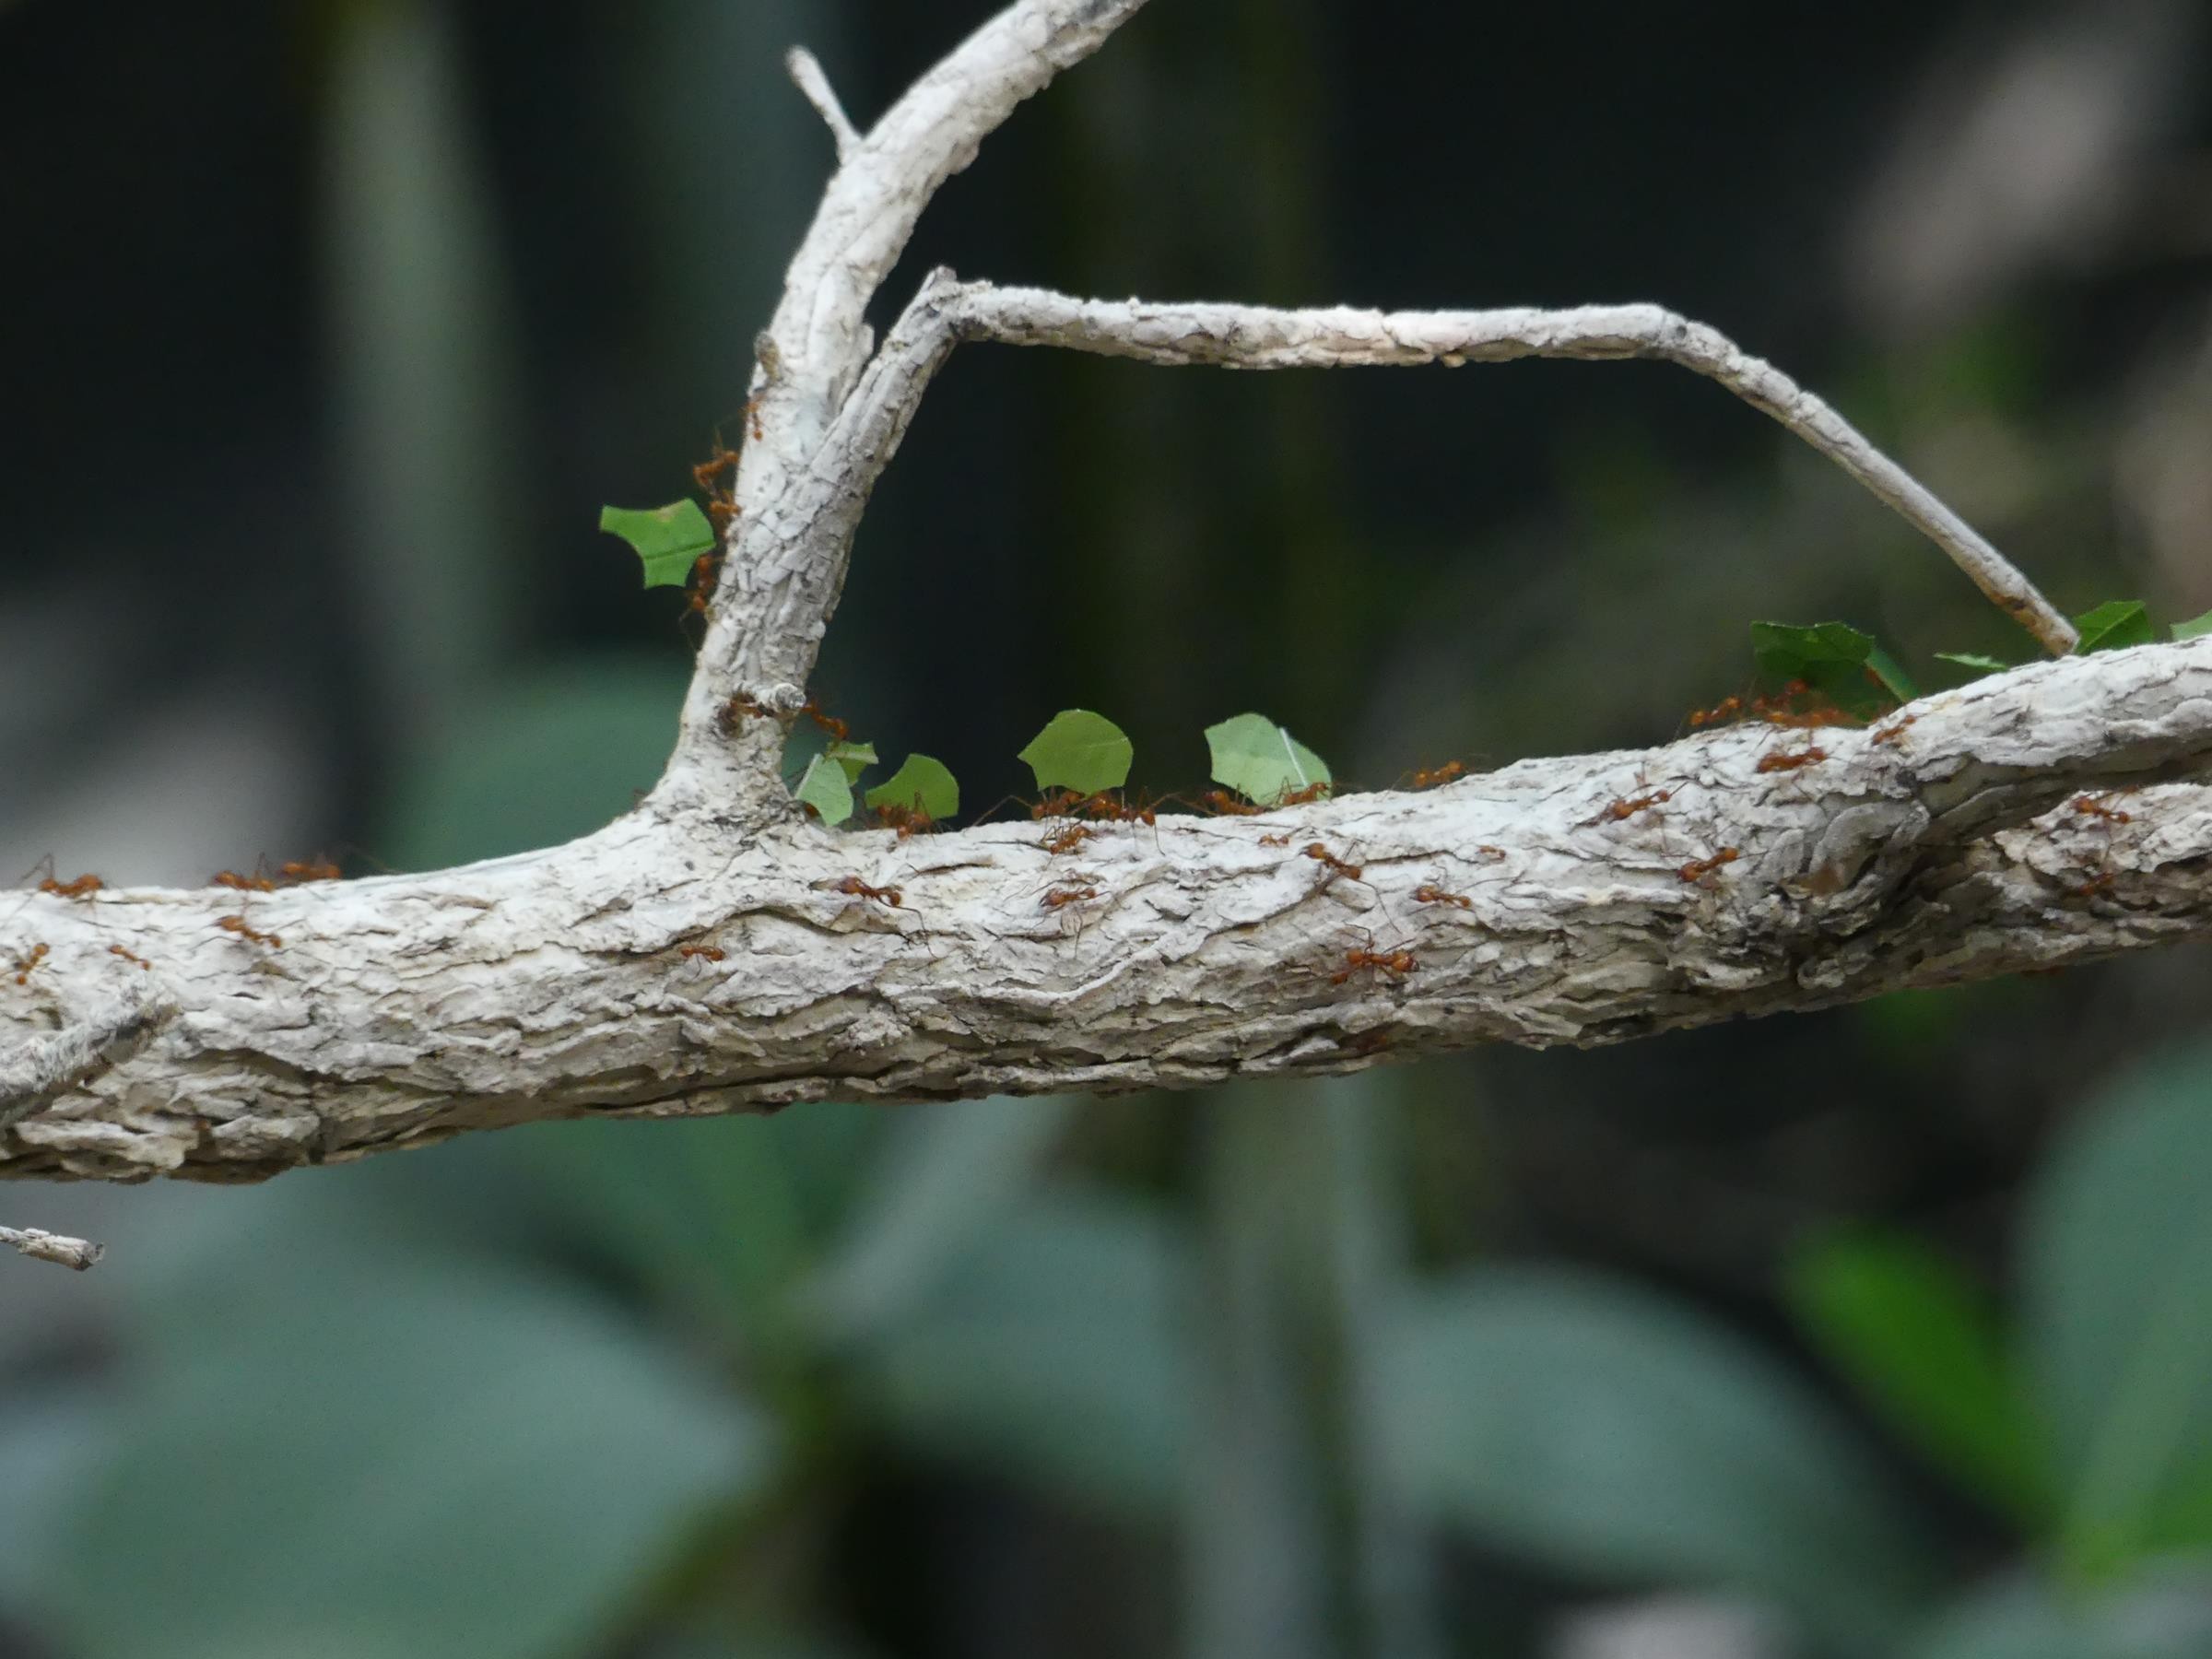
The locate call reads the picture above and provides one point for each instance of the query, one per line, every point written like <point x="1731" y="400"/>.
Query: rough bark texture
<point x="715" y="951"/>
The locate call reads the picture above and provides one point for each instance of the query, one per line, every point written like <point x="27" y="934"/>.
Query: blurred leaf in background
<point x="1605" y="1433"/>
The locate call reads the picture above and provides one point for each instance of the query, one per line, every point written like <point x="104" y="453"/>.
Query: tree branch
<point x="813" y="82"/>
<point x="714" y="951"/>
<point x="681" y="965"/>
<point x="57" y="1248"/>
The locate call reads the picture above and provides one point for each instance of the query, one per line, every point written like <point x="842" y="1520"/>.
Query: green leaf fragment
<point x="1079" y="751"/>
<point x="823" y="786"/>
<point x="1974" y="660"/>
<point x="2113" y="624"/>
<point x="853" y="757"/>
<point x="1835" y="660"/>
<point x="1891" y="675"/>
<point x="1261" y="760"/>
<point x="920" y="783"/>
<point x="668" y="540"/>
<point x="2194" y="627"/>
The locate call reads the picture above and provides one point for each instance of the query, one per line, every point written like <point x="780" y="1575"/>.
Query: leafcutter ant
<point x="1336" y="866"/>
<point x="1780" y="761"/>
<point x="1396" y="963"/>
<point x="1221" y="803"/>
<point x="1620" y="808"/>
<point x="1697" y="869"/>
<point x="858" y="888"/>
<point x="84" y="886"/>
<point x="1429" y="893"/>
<point x="236" y="924"/>
<point x="1437" y="776"/>
<point x="907" y="821"/>
<point x="24" y="964"/>
<point x="2090" y="807"/>
<point x="1059" y="898"/>
<point x="117" y="951"/>
<point x="710" y="953"/>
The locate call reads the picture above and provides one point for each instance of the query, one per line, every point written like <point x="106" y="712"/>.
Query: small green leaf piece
<point x="1081" y="751"/>
<point x="1835" y="660"/>
<point x="1261" y="760"/>
<point x="668" y="540"/>
<point x="854" y="758"/>
<point x="2113" y="624"/>
<point x="2194" y="626"/>
<point x="823" y="787"/>
<point x="1973" y="660"/>
<point x="918" y="782"/>
<point x="1891" y="675"/>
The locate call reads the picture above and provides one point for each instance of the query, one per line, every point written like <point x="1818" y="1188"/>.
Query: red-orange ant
<point x="1800" y="707"/>
<point x="127" y="956"/>
<point x="752" y="413"/>
<point x="1697" y="869"/>
<point x="243" y="883"/>
<point x="1895" y="729"/>
<point x="736" y="710"/>
<point x="236" y="924"/>
<point x="2090" y="888"/>
<point x="24" y="964"/>
<point x="702" y="584"/>
<point x="1275" y="841"/>
<point x="1058" y="897"/>
<point x="1728" y="708"/>
<point x="1429" y="893"/>
<point x="1618" y="808"/>
<point x="832" y="727"/>
<point x="1396" y="963"/>
<point x="1066" y="839"/>
<point x="1337" y="865"/>
<point x="907" y="821"/>
<point x="712" y="953"/>
<point x="2091" y="806"/>
<point x="301" y="870"/>
<point x="858" y="888"/>
<point x="1224" y="804"/>
<point x="1437" y="776"/>
<point x="84" y="886"/>
<point x="1306" y="796"/>
<point x="1779" y="761"/>
<point x="1102" y="808"/>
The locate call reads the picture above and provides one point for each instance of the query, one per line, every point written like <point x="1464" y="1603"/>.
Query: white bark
<point x="706" y="953"/>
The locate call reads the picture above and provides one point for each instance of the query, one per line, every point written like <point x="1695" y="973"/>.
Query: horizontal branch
<point x="674" y="963"/>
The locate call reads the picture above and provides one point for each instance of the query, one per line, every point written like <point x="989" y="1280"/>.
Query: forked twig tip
<point x="808" y="74"/>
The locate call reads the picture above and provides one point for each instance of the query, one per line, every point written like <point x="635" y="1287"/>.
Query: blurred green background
<point x="328" y="327"/>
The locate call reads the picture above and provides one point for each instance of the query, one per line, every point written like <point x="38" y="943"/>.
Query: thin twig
<point x="808" y="74"/>
<point x="58" y="1248"/>
<point x="1254" y="336"/>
